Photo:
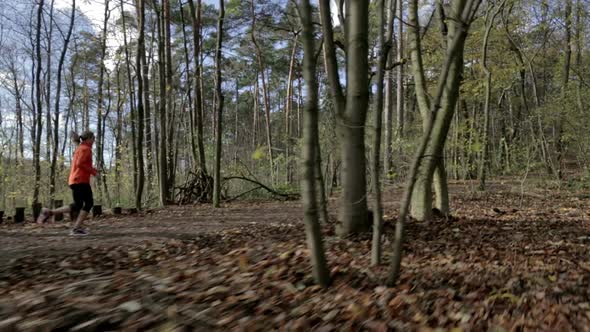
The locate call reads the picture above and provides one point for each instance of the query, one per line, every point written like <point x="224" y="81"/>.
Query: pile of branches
<point x="197" y="189"/>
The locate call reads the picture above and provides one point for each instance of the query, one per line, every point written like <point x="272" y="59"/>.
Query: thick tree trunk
<point x="313" y="233"/>
<point x="351" y="111"/>
<point x="219" y="94"/>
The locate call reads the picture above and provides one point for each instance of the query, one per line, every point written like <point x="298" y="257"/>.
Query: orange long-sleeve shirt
<point x="81" y="168"/>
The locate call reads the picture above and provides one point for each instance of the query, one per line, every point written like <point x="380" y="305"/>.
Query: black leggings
<point x="83" y="199"/>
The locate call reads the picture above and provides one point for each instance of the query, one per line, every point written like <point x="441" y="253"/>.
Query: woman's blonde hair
<point x="77" y="139"/>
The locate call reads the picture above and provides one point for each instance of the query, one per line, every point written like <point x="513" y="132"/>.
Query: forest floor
<point x="512" y="258"/>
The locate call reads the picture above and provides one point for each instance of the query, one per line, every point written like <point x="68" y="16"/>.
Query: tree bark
<point x="39" y="111"/>
<point x="384" y="47"/>
<point x="490" y="17"/>
<point x="421" y="207"/>
<point x="219" y="94"/>
<point x="140" y="109"/>
<point x="389" y="99"/>
<point x="262" y="69"/>
<point x="313" y="233"/>
<point x="131" y="92"/>
<point x="197" y="108"/>
<point x="464" y="10"/>
<point x="100" y="98"/>
<point x="57" y="101"/>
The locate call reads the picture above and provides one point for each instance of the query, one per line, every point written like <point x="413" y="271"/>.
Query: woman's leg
<point x="85" y="193"/>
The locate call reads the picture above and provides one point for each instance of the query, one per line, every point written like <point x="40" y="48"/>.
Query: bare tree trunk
<point x="288" y="107"/>
<point x="219" y="94"/>
<point x="170" y="107"/>
<point x="39" y="111"/>
<point x="100" y="98"/>
<point x="388" y="102"/>
<point x="262" y="69"/>
<point x="197" y="108"/>
<point x="463" y="9"/>
<point x="57" y="101"/>
<point x="320" y="270"/>
<point x="579" y="50"/>
<point x="131" y="100"/>
<point x="490" y="17"/>
<point x="140" y="113"/>
<point x="47" y="84"/>
<point x="422" y="196"/>
<point x="565" y="79"/>
<point x="162" y="154"/>
<point x="351" y="112"/>
<point x="118" y="138"/>
<point x="188" y="78"/>
<point x="400" y="71"/>
<point x="384" y="47"/>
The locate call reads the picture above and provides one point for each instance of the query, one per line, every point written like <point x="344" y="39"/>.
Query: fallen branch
<point x="286" y="196"/>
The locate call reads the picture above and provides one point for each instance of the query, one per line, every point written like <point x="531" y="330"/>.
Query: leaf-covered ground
<point x="506" y="261"/>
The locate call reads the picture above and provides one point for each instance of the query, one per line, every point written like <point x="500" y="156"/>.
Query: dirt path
<point x="185" y="222"/>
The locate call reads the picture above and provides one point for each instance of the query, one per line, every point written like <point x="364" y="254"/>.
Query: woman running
<point x="79" y="182"/>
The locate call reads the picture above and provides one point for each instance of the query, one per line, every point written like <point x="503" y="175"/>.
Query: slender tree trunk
<point x="261" y="66"/>
<point x="564" y="83"/>
<point x="288" y="108"/>
<point x="149" y="142"/>
<point x="219" y="94"/>
<point x="388" y="102"/>
<point x="400" y="71"/>
<point x="131" y="92"/>
<point x="170" y="106"/>
<point x="579" y="50"/>
<point x="422" y="196"/>
<point x="163" y="154"/>
<point x="39" y="111"/>
<point x="384" y="47"/>
<point x="463" y="9"/>
<point x="100" y="98"/>
<point x="118" y="138"/>
<point x="140" y="109"/>
<point x="188" y="78"/>
<point x="490" y="17"/>
<point x="320" y="270"/>
<point x="57" y="101"/>
<point x="197" y="108"/>
<point x="47" y="84"/>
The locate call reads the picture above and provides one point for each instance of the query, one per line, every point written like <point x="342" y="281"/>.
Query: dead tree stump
<point x="19" y="215"/>
<point x="96" y="211"/>
<point x="37" y="210"/>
